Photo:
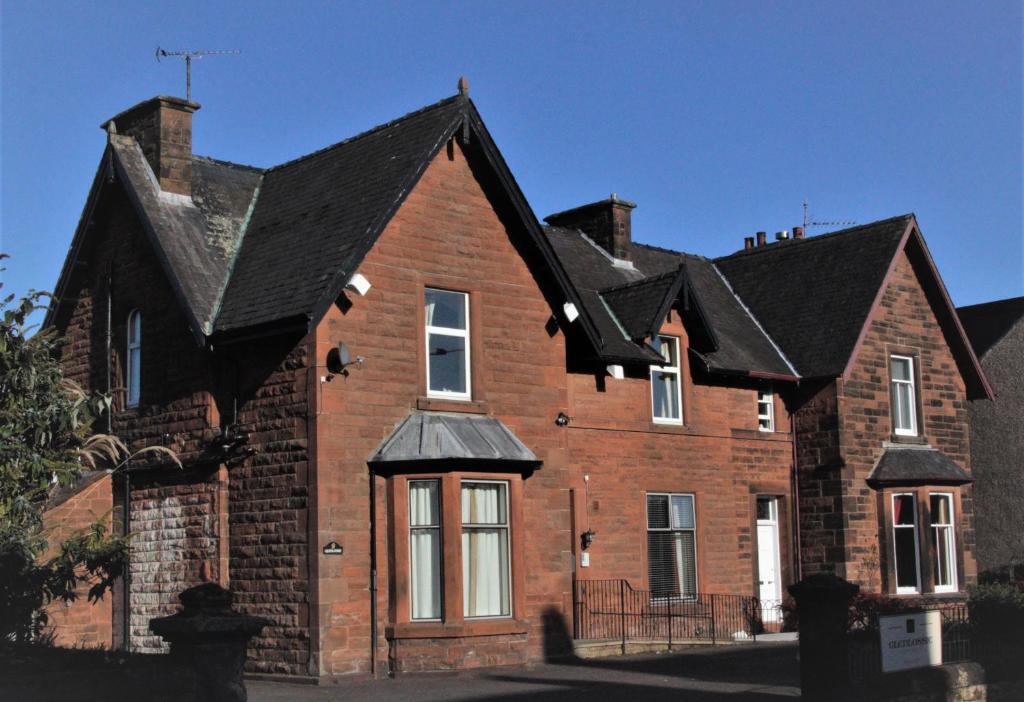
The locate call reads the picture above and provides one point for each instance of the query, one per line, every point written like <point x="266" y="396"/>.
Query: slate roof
<point x="987" y="323"/>
<point x="435" y="436"/>
<point x="624" y="303"/>
<point x="812" y="296"/>
<point x="917" y="465"/>
<point x="196" y="238"/>
<point x="316" y="216"/>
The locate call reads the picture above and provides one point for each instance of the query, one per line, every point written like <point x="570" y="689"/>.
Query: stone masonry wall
<point x="904" y="322"/>
<point x="80" y="624"/>
<point x="447" y="234"/>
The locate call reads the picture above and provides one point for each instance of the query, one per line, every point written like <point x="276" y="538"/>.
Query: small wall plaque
<point x="333" y="549"/>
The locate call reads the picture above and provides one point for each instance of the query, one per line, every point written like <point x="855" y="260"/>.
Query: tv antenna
<point x="809" y="221"/>
<point x="188" y="56"/>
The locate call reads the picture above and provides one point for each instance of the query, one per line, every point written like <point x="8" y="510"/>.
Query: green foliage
<point x="46" y="441"/>
<point x="997" y="611"/>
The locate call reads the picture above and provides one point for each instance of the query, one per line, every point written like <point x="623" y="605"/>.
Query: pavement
<point x="742" y="673"/>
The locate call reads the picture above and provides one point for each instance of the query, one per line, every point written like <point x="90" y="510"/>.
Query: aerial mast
<point x="188" y="56"/>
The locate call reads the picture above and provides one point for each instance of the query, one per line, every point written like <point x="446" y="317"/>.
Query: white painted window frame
<point x="766" y="397"/>
<point x="133" y="359"/>
<point x="450" y="331"/>
<point x="895" y="396"/>
<point x="917" y="544"/>
<point x="951" y="556"/>
<point x="440" y="539"/>
<point x="674" y="370"/>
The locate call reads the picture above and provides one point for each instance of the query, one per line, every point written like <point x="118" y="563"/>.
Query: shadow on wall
<point x="557" y="639"/>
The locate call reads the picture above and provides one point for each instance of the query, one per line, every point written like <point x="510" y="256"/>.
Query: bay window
<point x="943" y="546"/>
<point x="446" y="314"/>
<point x="666" y="382"/>
<point x="456" y="555"/>
<point x="905" y="546"/>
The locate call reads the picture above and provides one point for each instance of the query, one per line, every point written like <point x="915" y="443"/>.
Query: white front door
<point x="768" y="568"/>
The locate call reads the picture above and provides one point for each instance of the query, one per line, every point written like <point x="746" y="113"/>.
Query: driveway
<point x="764" y="671"/>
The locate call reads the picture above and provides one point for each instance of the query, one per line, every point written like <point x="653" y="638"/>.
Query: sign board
<point x="912" y="640"/>
<point x="333" y="549"/>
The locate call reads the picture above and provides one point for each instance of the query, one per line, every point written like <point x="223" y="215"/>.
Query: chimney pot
<point x="163" y="127"/>
<point x="762" y="238"/>
<point x="798" y="232"/>
<point x="748" y="242"/>
<point x="781" y="235"/>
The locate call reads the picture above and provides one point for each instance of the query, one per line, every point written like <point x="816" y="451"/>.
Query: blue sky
<point x="717" y="118"/>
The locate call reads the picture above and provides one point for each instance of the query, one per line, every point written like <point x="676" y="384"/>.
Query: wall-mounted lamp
<point x="358" y="284"/>
<point x="587" y="538"/>
<point x="339" y="359"/>
<point x="563" y="419"/>
<point x="616" y="371"/>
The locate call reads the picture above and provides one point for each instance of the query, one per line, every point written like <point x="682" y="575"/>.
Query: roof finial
<point x="463" y="86"/>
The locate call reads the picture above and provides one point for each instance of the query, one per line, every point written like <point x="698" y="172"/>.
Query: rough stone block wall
<point x="80" y="624"/>
<point x="174" y="546"/>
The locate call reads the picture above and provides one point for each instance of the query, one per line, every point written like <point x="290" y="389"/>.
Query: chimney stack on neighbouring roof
<point x="798" y="232"/>
<point x="606" y="222"/>
<point x="748" y="242"/>
<point x="782" y="236"/>
<point x="762" y="238"/>
<point x="163" y="127"/>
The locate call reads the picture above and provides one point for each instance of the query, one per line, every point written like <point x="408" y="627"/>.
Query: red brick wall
<point x="447" y="234"/>
<point x="718" y="455"/>
<point x="80" y="624"/>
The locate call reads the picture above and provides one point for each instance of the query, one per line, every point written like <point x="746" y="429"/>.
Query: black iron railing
<point x="615" y="610"/>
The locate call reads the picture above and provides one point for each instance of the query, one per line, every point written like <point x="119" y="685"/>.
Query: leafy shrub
<point x="997" y="611"/>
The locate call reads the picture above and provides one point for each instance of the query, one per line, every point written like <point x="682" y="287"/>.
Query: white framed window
<point x="671" y="545"/>
<point x="943" y="542"/>
<point x="425" y="550"/>
<point x="133" y="359"/>
<point x="903" y="395"/>
<point x="666" y="381"/>
<point x="906" y="556"/>
<point x="486" y="571"/>
<point x="766" y="410"/>
<point x="447" y="320"/>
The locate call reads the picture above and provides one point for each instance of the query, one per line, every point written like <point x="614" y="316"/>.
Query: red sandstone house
<point x="411" y="416"/>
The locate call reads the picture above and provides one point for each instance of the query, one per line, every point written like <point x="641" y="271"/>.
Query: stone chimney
<point x="606" y="222"/>
<point x="798" y="232"/>
<point x="163" y="127"/>
<point x="762" y="239"/>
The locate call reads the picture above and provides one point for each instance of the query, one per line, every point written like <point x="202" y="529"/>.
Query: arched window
<point x="133" y="362"/>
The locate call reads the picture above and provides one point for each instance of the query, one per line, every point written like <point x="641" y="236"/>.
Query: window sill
<point x="440" y="630"/>
<point x="917" y="440"/>
<point x="761" y="434"/>
<point x="440" y="404"/>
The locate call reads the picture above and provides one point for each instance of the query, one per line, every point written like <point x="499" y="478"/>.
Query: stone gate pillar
<point x="210" y="638"/>
<point x="823" y="603"/>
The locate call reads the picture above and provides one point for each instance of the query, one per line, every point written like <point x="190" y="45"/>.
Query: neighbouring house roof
<point x="812" y="296"/>
<point x="987" y="323"/>
<point x="432" y="436"/>
<point x="916" y="466"/>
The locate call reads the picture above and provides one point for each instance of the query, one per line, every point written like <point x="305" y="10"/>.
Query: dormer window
<point x="903" y="395"/>
<point x="133" y="359"/>
<point x="766" y="410"/>
<point x="447" y="320"/>
<point x="666" y="397"/>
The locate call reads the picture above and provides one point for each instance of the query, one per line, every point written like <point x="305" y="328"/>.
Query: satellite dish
<point x="339" y="358"/>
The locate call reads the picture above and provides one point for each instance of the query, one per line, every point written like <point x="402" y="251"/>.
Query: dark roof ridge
<point x="1006" y="300"/>
<point x="819" y="237"/>
<point x="230" y="164"/>
<point x="642" y="281"/>
<point x="368" y="132"/>
<point x="652" y="247"/>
